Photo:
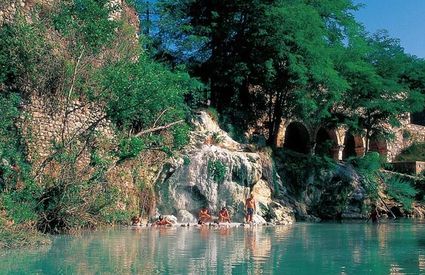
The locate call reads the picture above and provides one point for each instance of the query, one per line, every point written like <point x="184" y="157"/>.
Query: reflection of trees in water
<point x="421" y="262"/>
<point x="332" y="249"/>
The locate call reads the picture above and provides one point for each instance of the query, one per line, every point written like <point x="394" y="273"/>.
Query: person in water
<point x="136" y="221"/>
<point x="204" y="216"/>
<point x="223" y="215"/>
<point x="162" y="221"/>
<point x="250" y="208"/>
<point x="374" y="215"/>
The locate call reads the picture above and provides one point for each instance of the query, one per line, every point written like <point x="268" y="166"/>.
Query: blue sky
<point x="404" y="19"/>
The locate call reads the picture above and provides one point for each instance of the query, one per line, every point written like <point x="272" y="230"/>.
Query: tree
<point x="300" y="80"/>
<point x="213" y="38"/>
<point x="378" y="93"/>
<point x="257" y="54"/>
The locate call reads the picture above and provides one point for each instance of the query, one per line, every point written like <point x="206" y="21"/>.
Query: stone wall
<point x="9" y="8"/>
<point x="45" y="122"/>
<point x="405" y="136"/>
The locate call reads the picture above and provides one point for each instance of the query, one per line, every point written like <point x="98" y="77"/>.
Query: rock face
<point x="331" y="195"/>
<point x="215" y="171"/>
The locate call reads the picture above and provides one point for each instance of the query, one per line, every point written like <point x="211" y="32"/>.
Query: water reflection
<point x="393" y="248"/>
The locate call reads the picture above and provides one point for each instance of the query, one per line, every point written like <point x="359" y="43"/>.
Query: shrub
<point x="217" y="170"/>
<point x="86" y="22"/>
<point x="26" y="59"/>
<point x="186" y="160"/>
<point x="402" y="191"/>
<point x="217" y="138"/>
<point x="212" y="112"/>
<point x="368" y="169"/>
<point x="415" y="152"/>
<point x="76" y="197"/>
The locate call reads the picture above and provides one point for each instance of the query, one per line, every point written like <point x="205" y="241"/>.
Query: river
<point x="302" y="248"/>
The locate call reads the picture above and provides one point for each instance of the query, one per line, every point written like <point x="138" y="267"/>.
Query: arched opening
<point x="297" y="138"/>
<point x="326" y="143"/>
<point x="353" y="146"/>
<point x="418" y="118"/>
<point x="380" y="146"/>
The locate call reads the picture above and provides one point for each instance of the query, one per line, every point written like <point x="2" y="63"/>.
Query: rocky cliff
<point x="215" y="171"/>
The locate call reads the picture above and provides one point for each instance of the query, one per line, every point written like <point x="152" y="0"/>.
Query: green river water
<point x="324" y="248"/>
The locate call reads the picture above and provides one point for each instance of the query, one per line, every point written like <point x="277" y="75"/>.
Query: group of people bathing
<point x="224" y="216"/>
<point x="205" y="216"/>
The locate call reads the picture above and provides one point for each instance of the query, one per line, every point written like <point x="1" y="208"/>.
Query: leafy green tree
<point x="144" y="98"/>
<point x="273" y="58"/>
<point x="213" y="38"/>
<point x="300" y="78"/>
<point x="378" y="93"/>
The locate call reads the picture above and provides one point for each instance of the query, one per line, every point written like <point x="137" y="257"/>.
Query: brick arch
<point x="327" y="143"/>
<point x="353" y="146"/>
<point x="297" y="138"/>
<point x="378" y="145"/>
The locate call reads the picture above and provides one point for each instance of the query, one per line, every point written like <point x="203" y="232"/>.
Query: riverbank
<point x="19" y="237"/>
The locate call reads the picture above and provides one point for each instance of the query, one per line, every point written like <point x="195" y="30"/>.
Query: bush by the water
<point x="401" y="190"/>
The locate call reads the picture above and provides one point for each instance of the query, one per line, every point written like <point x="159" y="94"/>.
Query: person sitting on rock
<point x="162" y="221"/>
<point x="204" y="216"/>
<point x="223" y="215"/>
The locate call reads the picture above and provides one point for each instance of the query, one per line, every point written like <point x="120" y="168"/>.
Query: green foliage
<point x="377" y="68"/>
<point x="130" y="147"/>
<point x="369" y="164"/>
<point x="186" y="160"/>
<point x="287" y="59"/>
<point x="368" y="169"/>
<point x="26" y="62"/>
<point x="144" y="95"/>
<point x="402" y="191"/>
<point x="86" y="22"/>
<point x="20" y="205"/>
<point x="180" y="136"/>
<point x="298" y="169"/>
<point x="212" y="112"/>
<point x="73" y="53"/>
<point x="18" y="192"/>
<point x="217" y="138"/>
<point x="117" y="216"/>
<point x="72" y="200"/>
<point x="415" y="152"/>
<point x="217" y="170"/>
<point x="133" y="88"/>
<point x="283" y="50"/>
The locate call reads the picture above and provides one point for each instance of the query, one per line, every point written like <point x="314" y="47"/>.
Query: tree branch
<point x="160" y="128"/>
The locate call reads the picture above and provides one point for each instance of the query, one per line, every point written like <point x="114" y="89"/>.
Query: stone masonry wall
<point x="45" y="123"/>
<point x="404" y="137"/>
<point x="9" y="8"/>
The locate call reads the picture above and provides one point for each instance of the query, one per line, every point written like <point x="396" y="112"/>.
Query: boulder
<point x="257" y="219"/>
<point x="185" y="216"/>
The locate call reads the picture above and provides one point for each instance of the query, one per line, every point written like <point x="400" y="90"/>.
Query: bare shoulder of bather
<point x="250" y="202"/>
